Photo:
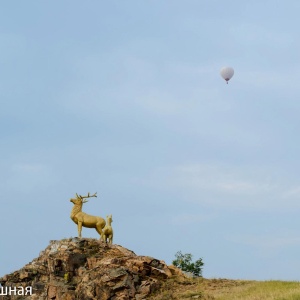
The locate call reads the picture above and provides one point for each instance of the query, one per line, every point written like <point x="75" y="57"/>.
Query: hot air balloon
<point x="227" y="73"/>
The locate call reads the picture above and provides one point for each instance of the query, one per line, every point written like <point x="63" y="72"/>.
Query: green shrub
<point x="184" y="262"/>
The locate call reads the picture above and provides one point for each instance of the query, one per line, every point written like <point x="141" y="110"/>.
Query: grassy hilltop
<point x="225" y="289"/>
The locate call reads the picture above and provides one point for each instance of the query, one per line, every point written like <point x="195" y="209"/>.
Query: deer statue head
<point x="79" y="200"/>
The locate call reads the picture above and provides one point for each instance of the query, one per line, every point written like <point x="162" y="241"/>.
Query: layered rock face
<point x="87" y="269"/>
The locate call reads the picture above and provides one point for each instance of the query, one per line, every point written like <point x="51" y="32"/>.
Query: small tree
<point x="184" y="262"/>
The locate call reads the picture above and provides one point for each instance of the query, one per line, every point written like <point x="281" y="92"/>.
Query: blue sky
<point x="124" y="98"/>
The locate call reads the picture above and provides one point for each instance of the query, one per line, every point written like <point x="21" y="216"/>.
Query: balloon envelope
<point x="227" y="73"/>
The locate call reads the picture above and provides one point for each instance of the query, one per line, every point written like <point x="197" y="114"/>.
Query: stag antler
<point x="88" y="196"/>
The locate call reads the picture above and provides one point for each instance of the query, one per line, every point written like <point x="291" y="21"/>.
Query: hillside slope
<point x="87" y="269"/>
<point x="226" y="289"/>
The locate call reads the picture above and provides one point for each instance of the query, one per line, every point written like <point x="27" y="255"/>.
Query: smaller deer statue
<point x="108" y="232"/>
<point x="82" y="219"/>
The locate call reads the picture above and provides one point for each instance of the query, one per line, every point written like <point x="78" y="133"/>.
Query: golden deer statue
<point x="82" y="219"/>
<point x="108" y="231"/>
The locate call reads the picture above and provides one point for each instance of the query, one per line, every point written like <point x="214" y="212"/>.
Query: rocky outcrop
<point x="87" y="269"/>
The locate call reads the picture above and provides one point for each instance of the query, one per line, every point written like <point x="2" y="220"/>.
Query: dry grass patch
<point x="260" y="290"/>
<point x="225" y="289"/>
<point x="179" y="288"/>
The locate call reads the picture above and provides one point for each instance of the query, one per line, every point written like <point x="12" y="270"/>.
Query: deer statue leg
<point x="110" y="239"/>
<point x="103" y="237"/>
<point x="79" y="229"/>
<point x="99" y="230"/>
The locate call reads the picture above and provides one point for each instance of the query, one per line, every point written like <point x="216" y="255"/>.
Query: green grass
<point x="261" y="290"/>
<point x="226" y="289"/>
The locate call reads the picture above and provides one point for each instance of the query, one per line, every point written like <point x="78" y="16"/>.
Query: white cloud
<point x="220" y="185"/>
<point x="292" y="192"/>
<point x="226" y="179"/>
<point x="26" y="168"/>
<point x="284" y="80"/>
<point x="160" y="103"/>
<point x="237" y="187"/>
<point x="186" y="218"/>
<point x="266" y="244"/>
<point x="251" y="34"/>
